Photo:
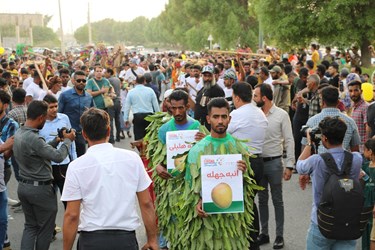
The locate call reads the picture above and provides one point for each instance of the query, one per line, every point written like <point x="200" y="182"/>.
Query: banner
<point x="222" y="184"/>
<point x="178" y="146"/>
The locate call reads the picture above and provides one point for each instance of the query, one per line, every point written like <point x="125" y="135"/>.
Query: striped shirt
<point x="351" y="138"/>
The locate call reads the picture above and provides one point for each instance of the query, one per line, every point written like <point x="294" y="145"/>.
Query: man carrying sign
<point x="181" y="121"/>
<point x="216" y="230"/>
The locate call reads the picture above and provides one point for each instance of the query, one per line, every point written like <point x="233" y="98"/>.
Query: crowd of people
<point x="283" y="108"/>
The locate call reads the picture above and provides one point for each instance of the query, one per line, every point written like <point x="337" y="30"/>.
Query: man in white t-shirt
<point x="194" y="80"/>
<point x="35" y="90"/>
<point x="106" y="182"/>
<point x="133" y="71"/>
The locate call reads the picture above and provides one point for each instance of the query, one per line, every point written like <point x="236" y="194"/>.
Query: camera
<point x="60" y="132"/>
<point x="315" y="134"/>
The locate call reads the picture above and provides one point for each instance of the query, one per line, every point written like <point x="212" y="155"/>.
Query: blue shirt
<point x="315" y="166"/>
<point x="351" y="138"/>
<point x="141" y="99"/>
<point x="49" y="133"/>
<point x="73" y="105"/>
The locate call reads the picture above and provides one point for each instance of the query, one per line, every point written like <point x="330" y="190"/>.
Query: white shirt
<point x="279" y="136"/>
<point x="220" y="82"/>
<point x="130" y="77"/>
<point x="27" y="82"/>
<point x="63" y="89"/>
<point x="228" y="92"/>
<point x="248" y="122"/>
<point x="106" y="180"/>
<point x="35" y="91"/>
<point x="122" y="73"/>
<point x="191" y="83"/>
<point x="269" y="81"/>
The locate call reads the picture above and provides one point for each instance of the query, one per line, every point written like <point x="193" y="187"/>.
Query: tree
<point x="331" y="22"/>
<point x="44" y="36"/>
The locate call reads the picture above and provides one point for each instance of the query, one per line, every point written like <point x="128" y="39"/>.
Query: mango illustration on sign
<point x="221" y="195"/>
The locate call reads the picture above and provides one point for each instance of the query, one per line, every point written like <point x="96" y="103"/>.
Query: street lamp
<point x="210" y="39"/>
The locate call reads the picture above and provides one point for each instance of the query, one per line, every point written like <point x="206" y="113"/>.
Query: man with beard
<point x="73" y="103"/>
<point x="210" y="90"/>
<point x="179" y="105"/>
<point x="133" y="71"/>
<point x="278" y="135"/>
<point x="359" y="112"/>
<point x="35" y="190"/>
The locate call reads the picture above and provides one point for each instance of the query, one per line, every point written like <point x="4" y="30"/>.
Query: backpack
<point x="341" y="212"/>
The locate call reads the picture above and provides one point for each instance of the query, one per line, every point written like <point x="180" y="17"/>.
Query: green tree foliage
<point x="112" y="32"/>
<point x="331" y="22"/>
<point x="185" y="23"/>
<point x="45" y="37"/>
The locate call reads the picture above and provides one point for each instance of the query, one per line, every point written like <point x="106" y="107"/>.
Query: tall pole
<point x="31" y="33"/>
<point x="18" y="30"/>
<point x="61" y="32"/>
<point x="260" y="36"/>
<point x="89" y="22"/>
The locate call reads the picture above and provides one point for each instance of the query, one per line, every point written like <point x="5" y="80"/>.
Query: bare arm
<point x="71" y="220"/>
<point x="149" y="219"/>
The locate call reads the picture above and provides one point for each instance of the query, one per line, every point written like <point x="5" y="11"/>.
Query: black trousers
<point x="140" y="125"/>
<point x="80" y="144"/>
<point x="59" y="173"/>
<point x="257" y="166"/>
<point x="107" y="239"/>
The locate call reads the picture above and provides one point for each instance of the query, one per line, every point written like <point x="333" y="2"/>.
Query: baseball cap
<point x="133" y="60"/>
<point x="229" y="74"/>
<point x="208" y="69"/>
<point x="353" y="77"/>
<point x="276" y="69"/>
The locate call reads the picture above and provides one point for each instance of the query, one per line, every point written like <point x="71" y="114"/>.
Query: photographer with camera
<point x="35" y="190"/>
<point x="55" y="126"/>
<point x="330" y="98"/>
<point x="333" y="134"/>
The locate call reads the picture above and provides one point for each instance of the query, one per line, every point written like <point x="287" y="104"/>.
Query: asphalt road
<point x="297" y="205"/>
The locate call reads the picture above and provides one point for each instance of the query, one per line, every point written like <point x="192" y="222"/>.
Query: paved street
<point x="297" y="213"/>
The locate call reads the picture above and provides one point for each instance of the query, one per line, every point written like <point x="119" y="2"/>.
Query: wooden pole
<point x="44" y="57"/>
<point x="41" y="76"/>
<point x="235" y="53"/>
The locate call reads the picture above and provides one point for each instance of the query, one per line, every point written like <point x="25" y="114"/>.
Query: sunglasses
<point x="81" y="80"/>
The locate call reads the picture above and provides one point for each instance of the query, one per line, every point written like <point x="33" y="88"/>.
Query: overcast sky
<point x="74" y="12"/>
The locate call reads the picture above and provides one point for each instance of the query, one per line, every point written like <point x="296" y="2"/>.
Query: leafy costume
<point x="369" y="194"/>
<point x="217" y="231"/>
<point x="168" y="192"/>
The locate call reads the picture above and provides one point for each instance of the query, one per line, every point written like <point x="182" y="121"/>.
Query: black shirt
<point x="371" y="118"/>
<point x="203" y="97"/>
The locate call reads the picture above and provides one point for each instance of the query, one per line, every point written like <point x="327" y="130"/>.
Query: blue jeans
<point x="315" y="240"/>
<point x="3" y="217"/>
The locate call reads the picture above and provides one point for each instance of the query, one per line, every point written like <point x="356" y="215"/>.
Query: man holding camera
<point x="334" y="131"/>
<point x="55" y="125"/>
<point x="330" y="98"/>
<point x="35" y="190"/>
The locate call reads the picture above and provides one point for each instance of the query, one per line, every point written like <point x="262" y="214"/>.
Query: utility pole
<point x="17" y="30"/>
<point x="89" y="22"/>
<point x="31" y="33"/>
<point x="61" y="32"/>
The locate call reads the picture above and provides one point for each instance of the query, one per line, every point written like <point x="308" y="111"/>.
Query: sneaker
<point x="16" y="205"/>
<point x="6" y="246"/>
<point x="279" y="242"/>
<point x="12" y="202"/>
<point x="263" y="239"/>
<point x="57" y="229"/>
